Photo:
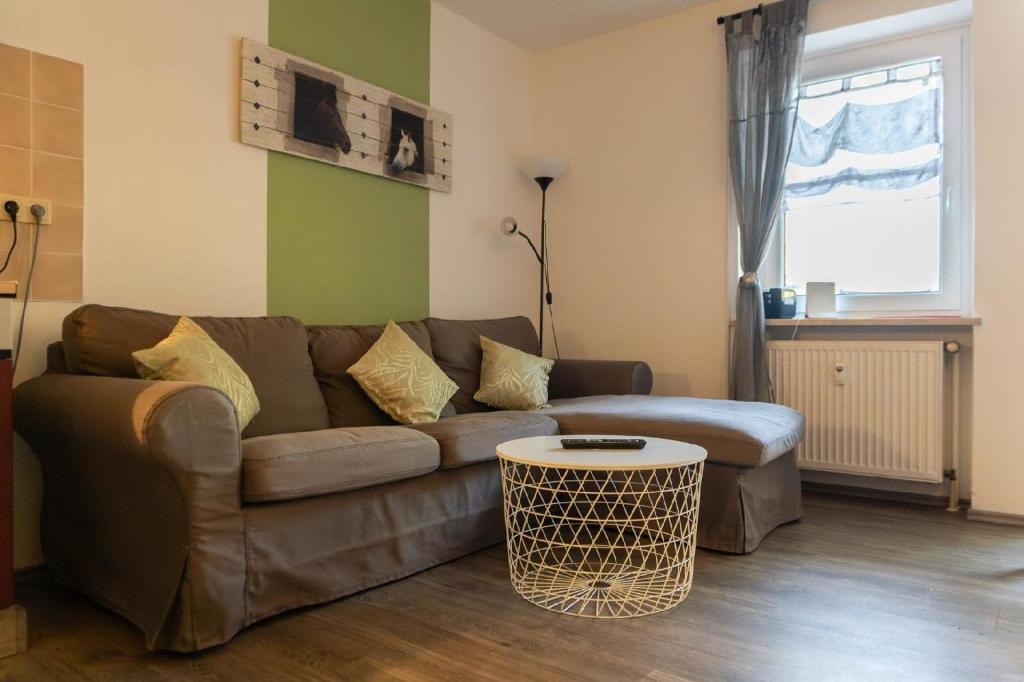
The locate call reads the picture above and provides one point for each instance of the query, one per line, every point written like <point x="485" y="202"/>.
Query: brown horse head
<point x="327" y="118"/>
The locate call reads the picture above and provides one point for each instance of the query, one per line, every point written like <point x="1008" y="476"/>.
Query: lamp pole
<point x="544" y="183"/>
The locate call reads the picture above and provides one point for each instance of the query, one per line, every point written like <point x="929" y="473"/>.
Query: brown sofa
<point x="157" y="507"/>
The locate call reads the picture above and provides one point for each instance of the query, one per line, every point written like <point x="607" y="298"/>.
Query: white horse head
<point x="406" y="154"/>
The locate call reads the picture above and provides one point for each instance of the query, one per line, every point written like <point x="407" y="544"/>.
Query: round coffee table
<point x="601" y="533"/>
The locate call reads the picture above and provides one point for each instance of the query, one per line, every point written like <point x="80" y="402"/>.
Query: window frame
<point x="956" y="238"/>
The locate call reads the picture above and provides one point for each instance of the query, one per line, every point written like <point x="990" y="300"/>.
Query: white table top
<point x="547" y="451"/>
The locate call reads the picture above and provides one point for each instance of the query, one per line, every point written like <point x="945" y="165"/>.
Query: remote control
<point x="603" y="443"/>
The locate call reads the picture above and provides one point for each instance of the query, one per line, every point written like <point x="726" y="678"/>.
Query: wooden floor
<point x="858" y="590"/>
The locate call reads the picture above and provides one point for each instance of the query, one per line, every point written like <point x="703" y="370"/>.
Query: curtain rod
<point x="721" y="20"/>
<point x="755" y="10"/>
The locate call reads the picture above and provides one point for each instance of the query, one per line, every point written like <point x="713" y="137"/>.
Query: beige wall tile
<point x="56" y="81"/>
<point x="14" y="70"/>
<point x="57" y="178"/>
<point x="56" y="133"/>
<point x="56" y="129"/>
<point x="15" y="121"/>
<point x="57" y="277"/>
<point x="15" y="173"/>
<point x="65" y="234"/>
<point x="17" y="269"/>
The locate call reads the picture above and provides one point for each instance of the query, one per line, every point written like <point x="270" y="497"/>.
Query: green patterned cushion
<point x="403" y="380"/>
<point x="511" y="379"/>
<point x="189" y="354"/>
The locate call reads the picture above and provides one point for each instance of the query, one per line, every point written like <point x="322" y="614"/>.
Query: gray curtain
<point x="764" y="85"/>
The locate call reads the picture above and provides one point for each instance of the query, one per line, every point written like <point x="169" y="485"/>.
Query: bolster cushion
<point x="575" y="378"/>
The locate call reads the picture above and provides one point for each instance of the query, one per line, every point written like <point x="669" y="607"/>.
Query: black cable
<point x="554" y="334"/>
<point x="13" y="213"/>
<point x="38" y="215"/>
<point x="10" y="252"/>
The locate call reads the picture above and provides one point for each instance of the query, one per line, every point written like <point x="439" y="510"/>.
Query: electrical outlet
<point x="24" y="212"/>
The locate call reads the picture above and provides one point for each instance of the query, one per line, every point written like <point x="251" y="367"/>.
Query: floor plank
<point x="858" y="590"/>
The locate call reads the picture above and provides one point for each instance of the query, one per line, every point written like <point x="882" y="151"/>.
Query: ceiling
<point x="542" y="24"/>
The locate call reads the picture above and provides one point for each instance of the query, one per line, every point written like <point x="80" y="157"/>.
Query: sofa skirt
<point x="739" y="506"/>
<point x="317" y="549"/>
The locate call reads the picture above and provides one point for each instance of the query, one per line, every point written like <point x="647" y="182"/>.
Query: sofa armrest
<point x="143" y="503"/>
<point x="576" y="378"/>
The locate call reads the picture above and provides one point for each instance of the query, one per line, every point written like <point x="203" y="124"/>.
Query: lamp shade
<point x="545" y="167"/>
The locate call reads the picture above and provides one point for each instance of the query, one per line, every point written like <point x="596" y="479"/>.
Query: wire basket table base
<point x="601" y="544"/>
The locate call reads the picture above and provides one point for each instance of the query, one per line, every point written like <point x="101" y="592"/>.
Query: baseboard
<point x="995" y="517"/>
<point x="13" y="631"/>
<point x="875" y="494"/>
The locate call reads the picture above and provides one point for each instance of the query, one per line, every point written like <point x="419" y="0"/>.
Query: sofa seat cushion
<point x="272" y="351"/>
<point x="470" y="438"/>
<point x="735" y="433"/>
<point x="293" y="465"/>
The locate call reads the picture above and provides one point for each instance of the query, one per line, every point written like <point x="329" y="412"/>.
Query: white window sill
<point x="876" y="321"/>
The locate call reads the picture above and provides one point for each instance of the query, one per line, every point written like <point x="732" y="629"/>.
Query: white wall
<point x="998" y="450"/>
<point x="826" y="15"/>
<point x="485" y="82"/>
<point x="175" y="215"/>
<point x="637" y="226"/>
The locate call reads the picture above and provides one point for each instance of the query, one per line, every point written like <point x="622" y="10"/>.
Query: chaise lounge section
<point x="751" y="482"/>
<point x="159" y="508"/>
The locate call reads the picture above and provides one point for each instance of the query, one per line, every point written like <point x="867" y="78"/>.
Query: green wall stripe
<point x="345" y="247"/>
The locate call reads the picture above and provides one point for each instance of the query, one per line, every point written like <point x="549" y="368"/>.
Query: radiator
<point x="873" y="407"/>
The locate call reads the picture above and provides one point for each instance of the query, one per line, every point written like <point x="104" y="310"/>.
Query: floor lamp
<point x="543" y="171"/>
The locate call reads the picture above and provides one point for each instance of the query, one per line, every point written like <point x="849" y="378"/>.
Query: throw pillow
<point x="511" y="379"/>
<point x="403" y="380"/>
<point x="189" y="354"/>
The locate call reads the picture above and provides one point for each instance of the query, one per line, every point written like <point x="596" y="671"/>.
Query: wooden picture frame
<point x="296" y="106"/>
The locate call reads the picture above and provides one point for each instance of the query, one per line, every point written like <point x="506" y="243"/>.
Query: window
<point x="875" y="189"/>
<point x="864" y="182"/>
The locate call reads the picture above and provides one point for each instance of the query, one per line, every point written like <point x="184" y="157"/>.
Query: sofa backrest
<point x="456" y="348"/>
<point x="273" y="351"/>
<point x="335" y="348"/>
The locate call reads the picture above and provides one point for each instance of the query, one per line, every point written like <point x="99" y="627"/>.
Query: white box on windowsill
<point x="821" y="299"/>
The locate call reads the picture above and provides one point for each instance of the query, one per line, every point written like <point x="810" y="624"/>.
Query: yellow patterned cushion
<point x="511" y="379"/>
<point x="403" y="380"/>
<point x="189" y="354"/>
